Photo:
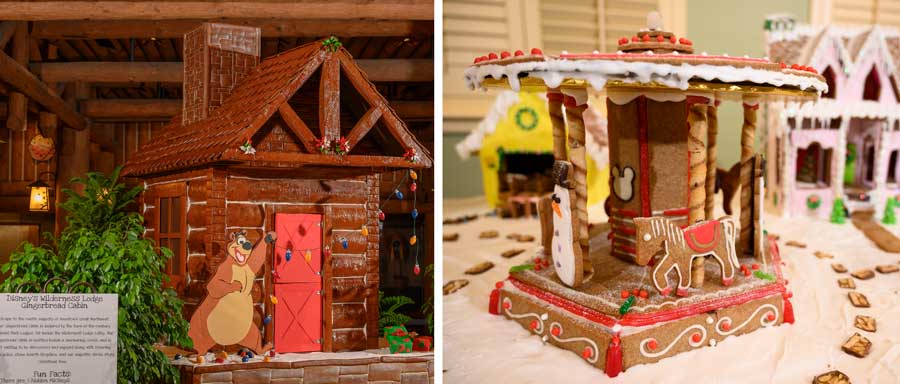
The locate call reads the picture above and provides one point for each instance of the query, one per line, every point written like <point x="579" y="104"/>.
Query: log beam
<point x="167" y="29"/>
<point x="297" y="126"/>
<point x="414" y="110"/>
<point x="19" y="78"/>
<point x="174" y="10"/>
<point x="7" y="30"/>
<point x="173" y="72"/>
<point x="129" y="108"/>
<point x="18" y="104"/>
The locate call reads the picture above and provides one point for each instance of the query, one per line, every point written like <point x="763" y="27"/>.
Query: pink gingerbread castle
<point x="840" y="153"/>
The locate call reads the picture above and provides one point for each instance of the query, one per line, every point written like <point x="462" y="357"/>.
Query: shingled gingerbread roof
<point x="256" y="99"/>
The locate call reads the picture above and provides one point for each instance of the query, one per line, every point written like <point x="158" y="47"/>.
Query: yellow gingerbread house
<point x="514" y="145"/>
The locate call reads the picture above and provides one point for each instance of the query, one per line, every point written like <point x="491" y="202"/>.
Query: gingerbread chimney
<point x="216" y="58"/>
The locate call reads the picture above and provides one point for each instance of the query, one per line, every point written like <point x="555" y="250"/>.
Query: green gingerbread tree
<point x="889" y="217"/>
<point x="837" y="212"/>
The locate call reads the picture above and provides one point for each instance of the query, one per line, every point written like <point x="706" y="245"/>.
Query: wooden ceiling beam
<point x="7" y="29"/>
<point x="175" y="10"/>
<point x="139" y="72"/>
<point x="111" y="109"/>
<point x="146" y="29"/>
<point x="19" y="78"/>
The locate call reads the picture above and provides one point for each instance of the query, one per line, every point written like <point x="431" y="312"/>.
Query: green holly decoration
<point x="626" y="306"/>
<point x="521" y="268"/>
<point x="331" y="44"/>
<point x="837" y="212"/>
<point x="763" y="275"/>
<point x="889" y="217"/>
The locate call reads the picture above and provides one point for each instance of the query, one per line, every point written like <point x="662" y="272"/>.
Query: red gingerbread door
<point x="298" y="282"/>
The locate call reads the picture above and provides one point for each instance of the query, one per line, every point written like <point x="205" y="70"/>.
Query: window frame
<point x="171" y="192"/>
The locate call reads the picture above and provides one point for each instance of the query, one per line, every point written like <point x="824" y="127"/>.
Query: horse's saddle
<point x="702" y="237"/>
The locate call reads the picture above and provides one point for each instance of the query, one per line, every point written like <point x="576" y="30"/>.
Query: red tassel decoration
<point x="788" y="311"/>
<point x="494" y="304"/>
<point x="614" y="357"/>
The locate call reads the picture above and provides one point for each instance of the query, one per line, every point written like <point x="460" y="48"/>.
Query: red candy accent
<point x="534" y="324"/>
<point x="504" y="54"/>
<point x="634" y="39"/>
<point x="788" y="295"/>
<point x="660" y="38"/>
<point x="476" y="60"/>
<point x="492" y="56"/>
<point x="519" y="52"/>
<point x="636" y="292"/>
<point x="556" y="331"/>
<point x="783" y="65"/>
<point x="646" y="38"/>
<point x="726" y="325"/>
<point x="624" y="293"/>
<point x="613" y="357"/>
<point x="652" y="344"/>
<point x="672" y="39"/>
<point x="623" y="40"/>
<point x="587" y="353"/>
<point x="689" y="42"/>
<point x="788" y="312"/>
<point x="770" y="316"/>
<point x="644" y="294"/>
<point x="536" y="51"/>
<point x="499" y="285"/>
<point x="755" y="266"/>
<point x="795" y="66"/>
<point x="696" y="337"/>
<point x="537" y="267"/>
<point x="493" y="303"/>
<point x="506" y="305"/>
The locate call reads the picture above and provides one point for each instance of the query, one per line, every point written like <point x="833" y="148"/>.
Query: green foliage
<point x="837" y="212"/>
<point x="388" y="306"/>
<point x="428" y="306"/>
<point x="103" y="246"/>
<point x="889" y="216"/>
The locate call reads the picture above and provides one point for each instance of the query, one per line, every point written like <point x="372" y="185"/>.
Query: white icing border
<point x="540" y="318"/>
<point x="595" y="355"/>
<point x="762" y="320"/>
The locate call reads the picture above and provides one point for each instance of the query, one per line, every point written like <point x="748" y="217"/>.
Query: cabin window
<point x="872" y="90"/>
<point x="892" y="168"/>
<point x="828" y="74"/>
<point x="813" y="165"/>
<point x="170" y="233"/>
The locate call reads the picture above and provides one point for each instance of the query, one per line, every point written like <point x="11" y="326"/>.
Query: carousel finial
<point x="654" y="21"/>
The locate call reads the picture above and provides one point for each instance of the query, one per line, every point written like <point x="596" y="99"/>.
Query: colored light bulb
<point x="413" y="187"/>
<point x="398" y="194"/>
<point x="327" y="251"/>
<point x="308" y="256"/>
<point x="414" y="213"/>
<point x="267" y="320"/>
<point x="364" y="231"/>
<point x="412" y="240"/>
<point x="417" y="270"/>
<point x="273" y="299"/>
<point x="380" y="215"/>
<point x="413" y="175"/>
<point x="288" y="254"/>
<point x="345" y="243"/>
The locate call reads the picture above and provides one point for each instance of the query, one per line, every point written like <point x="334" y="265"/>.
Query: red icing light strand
<point x="644" y="148"/>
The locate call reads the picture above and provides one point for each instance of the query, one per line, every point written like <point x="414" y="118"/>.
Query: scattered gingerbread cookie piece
<point x="839" y="268"/>
<point x="513" y="236"/>
<point x="480" y="268"/>
<point x="887" y="268"/>
<point x="525" y="238"/>
<point x="455" y="285"/>
<point x="863" y="274"/>
<point x="488" y="234"/>
<point x="795" y="243"/>
<point x="833" y="377"/>
<point x="823" y="255"/>
<point x="858" y="300"/>
<point x="451" y="236"/>
<point x="857" y="345"/>
<point x="866" y="323"/>
<point x="512" y="253"/>
<point x="846" y="283"/>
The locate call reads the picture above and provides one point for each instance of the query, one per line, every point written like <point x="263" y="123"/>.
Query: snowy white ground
<point x="481" y="348"/>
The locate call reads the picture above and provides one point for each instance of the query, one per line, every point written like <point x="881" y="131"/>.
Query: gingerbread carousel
<point x="639" y="288"/>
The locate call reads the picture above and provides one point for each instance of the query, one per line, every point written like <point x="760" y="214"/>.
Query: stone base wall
<point x="418" y="369"/>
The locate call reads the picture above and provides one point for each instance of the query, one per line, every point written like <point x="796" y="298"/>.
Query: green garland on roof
<point x="331" y="44"/>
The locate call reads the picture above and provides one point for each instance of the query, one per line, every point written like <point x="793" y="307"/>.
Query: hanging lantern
<point x="417" y="270"/>
<point x="413" y="175"/>
<point x="287" y="255"/>
<point x="307" y="255"/>
<point x="40" y="197"/>
<point x="412" y="240"/>
<point x="414" y="213"/>
<point x="364" y="231"/>
<point x="412" y="187"/>
<point x="345" y="243"/>
<point x="380" y="215"/>
<point x="398" y="194"/>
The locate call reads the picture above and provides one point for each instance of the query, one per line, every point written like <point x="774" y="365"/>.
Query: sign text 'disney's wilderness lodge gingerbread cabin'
<point x="591" y="291"/>
<point x="276" y="159"/>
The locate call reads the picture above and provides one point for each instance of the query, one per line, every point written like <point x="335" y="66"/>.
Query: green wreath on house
<point x="533" y="121"/>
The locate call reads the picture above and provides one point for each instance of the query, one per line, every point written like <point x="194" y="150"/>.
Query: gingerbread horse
<point x="678" y="248"/>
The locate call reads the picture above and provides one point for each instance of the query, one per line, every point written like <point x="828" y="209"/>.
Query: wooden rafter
<point x="363" y="126"/>
<point x="139" y="72"/>
<point x="130" y="108"/>
<point x="161" y="29"/>
<point x="174" y="10"/>
<point x="7" y="29"/>
<point x="297" y="126"/>
<point x="19" y="78"/>
<point x="302" y="159"/>
<point x="330" y="98"/>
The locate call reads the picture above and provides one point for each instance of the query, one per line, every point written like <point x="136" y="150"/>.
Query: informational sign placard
<point x="58" y="338"/>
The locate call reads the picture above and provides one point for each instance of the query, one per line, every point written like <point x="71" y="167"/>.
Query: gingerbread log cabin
<point x="291" y="146"/>
<point x="639" y="289"/>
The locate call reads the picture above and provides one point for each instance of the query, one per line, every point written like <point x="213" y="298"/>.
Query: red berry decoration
<point x="555" y="331"/>
<point x="660" y="38"/>
<point x="770" y="316"/>
<point x="506" y="305"/>
<point x="672" y="39"/>
<point x="536" y="51"/>
<point x="795" y="66"/>
<point x="499" y="284"/>
<point x="636" y="292"/>
<point x="477" y="60"/>
<point x="644" y="294"/>
<point x="624" y="293"/>
<point x="634" y="39"/>
<point x="534" y="324"/>
<point x="646" y="38"/>
<point x="755" y="266"/>
<point x="726" y="326"/>
<point x="623" y="40"/>
<point x="492" y="56"/>
<point x="652" y="344"/>
<point x="688" y="42"/>
<point x="696" y="337"/>
<point x="783" y="65"/>
<point x="587" y="353"/>
<point x="518" y="52"/>
<point x="504" y="54"/>
<point x="537" y="267"/>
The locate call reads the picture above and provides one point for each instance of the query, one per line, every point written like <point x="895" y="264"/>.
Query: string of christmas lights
<point x="413" y="241"/>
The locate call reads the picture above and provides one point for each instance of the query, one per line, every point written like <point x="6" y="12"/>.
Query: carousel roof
<point x="650" y="59"/>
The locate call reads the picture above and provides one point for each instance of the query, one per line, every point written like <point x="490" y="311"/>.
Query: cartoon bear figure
<point x="225" y="316"/>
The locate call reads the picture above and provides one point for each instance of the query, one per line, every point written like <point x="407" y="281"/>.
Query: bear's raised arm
<point x="258" y="256"/>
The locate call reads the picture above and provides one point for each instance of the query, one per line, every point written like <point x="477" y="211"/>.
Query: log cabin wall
<point x="115" y="141"/>
<point x="17" y="170"/>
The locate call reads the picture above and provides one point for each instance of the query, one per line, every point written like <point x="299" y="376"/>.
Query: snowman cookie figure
<point x="567" y="257"/>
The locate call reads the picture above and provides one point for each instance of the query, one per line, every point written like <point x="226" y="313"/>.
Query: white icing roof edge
<point x="598" y="72"/>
